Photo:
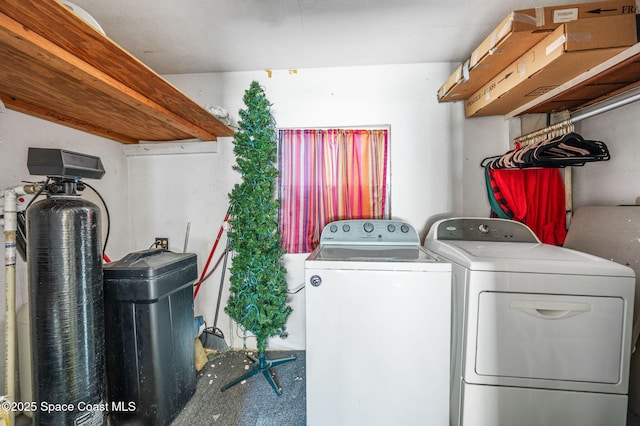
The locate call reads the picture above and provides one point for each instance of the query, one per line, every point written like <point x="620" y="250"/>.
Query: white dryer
<point x="541" y="334"/>
<point x="377" y="327"/>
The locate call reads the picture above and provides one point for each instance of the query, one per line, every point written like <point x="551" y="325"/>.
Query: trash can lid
<point x="148" y="275"/>
<point x="147" y="263"/>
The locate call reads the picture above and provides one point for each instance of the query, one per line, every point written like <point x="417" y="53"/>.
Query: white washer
<point x="541" y="334"/>
<point x="378" y="311"/>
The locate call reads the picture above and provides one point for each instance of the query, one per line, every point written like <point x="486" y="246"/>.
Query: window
<point x="327" y="175"/>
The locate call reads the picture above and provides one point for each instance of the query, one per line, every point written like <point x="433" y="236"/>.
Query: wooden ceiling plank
<point x="52" y="116"/>
<point x="19" y="37"/>
<point x="76" y="100"/>
<point x="58" y="24"/>
<point x="92" y="78"/>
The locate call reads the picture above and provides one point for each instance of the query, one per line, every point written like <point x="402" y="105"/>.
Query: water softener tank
<point x="66" y="303"/>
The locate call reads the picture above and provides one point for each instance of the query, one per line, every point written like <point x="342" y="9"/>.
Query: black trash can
<point x="149" y="336"/>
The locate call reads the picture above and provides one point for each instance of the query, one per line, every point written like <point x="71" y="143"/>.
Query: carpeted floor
<point x="253" y="403"/>
<point x="633" y="419"/>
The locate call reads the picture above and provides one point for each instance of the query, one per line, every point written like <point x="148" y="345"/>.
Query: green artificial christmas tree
<point x="258" y="290"/>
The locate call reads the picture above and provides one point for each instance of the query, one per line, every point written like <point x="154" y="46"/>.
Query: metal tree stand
<point x="264" y="366"/>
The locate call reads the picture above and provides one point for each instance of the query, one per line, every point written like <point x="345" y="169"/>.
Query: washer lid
<point x="373" y="253"/>
<point x="375" y="258"/>
<point x="525" y="257"/>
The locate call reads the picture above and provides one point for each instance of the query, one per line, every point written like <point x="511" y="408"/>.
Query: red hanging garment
<point x="536" y="198"/>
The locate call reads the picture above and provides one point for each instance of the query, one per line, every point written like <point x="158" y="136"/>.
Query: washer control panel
<point x="369" y="231"/>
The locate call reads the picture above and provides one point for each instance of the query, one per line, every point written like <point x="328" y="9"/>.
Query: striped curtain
<point x="327" y="175"/>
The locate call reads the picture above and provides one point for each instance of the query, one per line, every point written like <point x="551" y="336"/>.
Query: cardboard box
<point x="516" y="34"/>
<point x="570" y="50"/>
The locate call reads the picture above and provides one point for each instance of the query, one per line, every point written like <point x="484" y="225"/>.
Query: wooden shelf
<point x="55" y="66"/>
<point x="617" y="75"/>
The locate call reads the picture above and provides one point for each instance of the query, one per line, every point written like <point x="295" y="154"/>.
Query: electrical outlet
<point x="162" y="243"/>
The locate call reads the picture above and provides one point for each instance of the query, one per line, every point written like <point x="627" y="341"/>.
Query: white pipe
<point x="10" y="228"/>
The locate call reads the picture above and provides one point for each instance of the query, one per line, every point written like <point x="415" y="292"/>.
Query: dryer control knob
<point x="368" y="227"/>
<point x="315" y="280"/>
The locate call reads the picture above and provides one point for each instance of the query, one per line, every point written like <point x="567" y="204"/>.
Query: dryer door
<point x="548" y="336"/>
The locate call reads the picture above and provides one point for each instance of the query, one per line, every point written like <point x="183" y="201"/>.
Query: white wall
<point x="17" y="133"/>
<point x="610" y="182"/>
<point x="169" y="191"/>
<point x="435" y="157"/>
<point x="435" y="160"/>
<point x="401" y="96"/>
<point x="158" y="195"/>
<point x="616" y="181"/>
<point x="482" y="137"/>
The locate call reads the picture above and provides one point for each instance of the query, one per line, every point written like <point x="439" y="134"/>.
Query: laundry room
<point x="140" y="109"/>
